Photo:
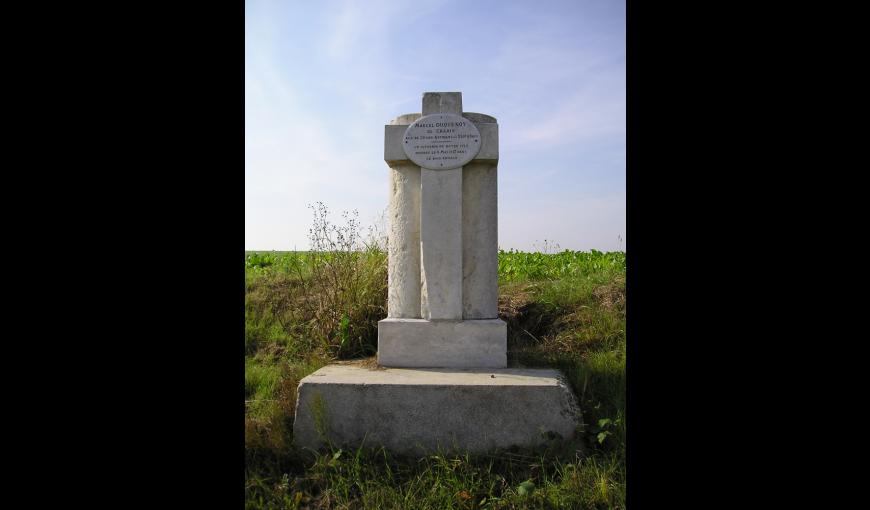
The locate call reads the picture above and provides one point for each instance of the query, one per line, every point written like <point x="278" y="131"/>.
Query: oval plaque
<point x="441" y="141"/>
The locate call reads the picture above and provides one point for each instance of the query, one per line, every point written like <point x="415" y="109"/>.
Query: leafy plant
<point x="606" y="428"/>
<point x="526" y="488"/>
<point x="259" y="260"/>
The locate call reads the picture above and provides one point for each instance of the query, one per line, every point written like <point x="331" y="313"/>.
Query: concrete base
<point x="418" y="343"/>
<point x="422" y="410"/>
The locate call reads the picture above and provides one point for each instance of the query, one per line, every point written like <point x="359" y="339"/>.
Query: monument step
<point x="421" y="343"/>
<point x="417" y="411"/>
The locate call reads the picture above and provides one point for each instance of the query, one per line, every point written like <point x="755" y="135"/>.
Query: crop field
<point x="564" y="310"/>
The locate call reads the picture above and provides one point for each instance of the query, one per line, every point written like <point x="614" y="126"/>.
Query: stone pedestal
<point x="418" y="411"/>
<point x="460" y="343"/>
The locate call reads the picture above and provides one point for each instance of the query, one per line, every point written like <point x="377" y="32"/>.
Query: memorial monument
<point x="442" y="380"/>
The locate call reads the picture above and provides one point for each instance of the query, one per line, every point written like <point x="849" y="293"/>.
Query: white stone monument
<point x="442" y="304"/>
<point x="442" y="350"/>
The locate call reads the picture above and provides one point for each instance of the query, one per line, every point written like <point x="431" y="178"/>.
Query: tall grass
<point x="375" y="479"/>
<point x="329" y="298"/>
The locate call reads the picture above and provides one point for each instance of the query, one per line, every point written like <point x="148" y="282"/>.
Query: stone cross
<point x="443" y="240"/>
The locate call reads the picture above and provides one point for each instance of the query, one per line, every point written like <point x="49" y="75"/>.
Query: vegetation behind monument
<point x="303" y="309"/>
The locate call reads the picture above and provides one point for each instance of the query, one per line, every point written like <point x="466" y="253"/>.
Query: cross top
<point x="479" y="132"/>
<point x="442" y="102"/>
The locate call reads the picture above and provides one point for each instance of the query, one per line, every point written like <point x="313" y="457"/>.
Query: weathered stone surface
<point x="441" y="243"/>
<point x="479" y="118"/>
<point x="419" y="411"/>
<point x="442" y="102"/>
<point x="403" y="262"/>
<point x="442" y="343"/>
<point x="479" y="241"/>
<point x="488" y="142"/>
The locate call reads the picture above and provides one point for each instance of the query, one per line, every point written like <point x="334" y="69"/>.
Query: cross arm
<point x="394" y="136"/>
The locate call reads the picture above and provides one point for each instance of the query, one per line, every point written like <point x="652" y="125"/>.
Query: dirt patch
<point x="512" y="298"/>
<point x="611" y="295"/>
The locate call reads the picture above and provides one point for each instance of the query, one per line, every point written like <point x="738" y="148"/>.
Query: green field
<point x="303" y="309"/>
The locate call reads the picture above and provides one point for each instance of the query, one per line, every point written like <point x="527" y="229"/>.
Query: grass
<point x="304" y="309"/>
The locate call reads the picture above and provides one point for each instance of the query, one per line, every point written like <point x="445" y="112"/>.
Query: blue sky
<point x="322" y="78"/>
